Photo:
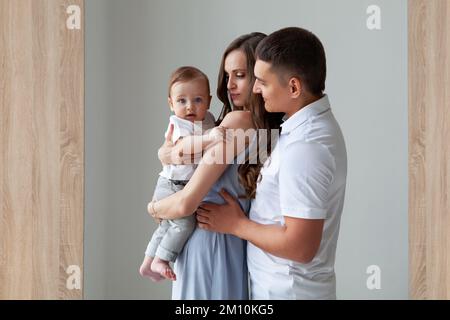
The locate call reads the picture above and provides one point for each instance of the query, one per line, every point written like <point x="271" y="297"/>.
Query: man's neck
<point x="301" y="103"/>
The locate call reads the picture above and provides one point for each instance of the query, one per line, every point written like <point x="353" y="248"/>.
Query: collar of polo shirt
<point x="317" y="107"/>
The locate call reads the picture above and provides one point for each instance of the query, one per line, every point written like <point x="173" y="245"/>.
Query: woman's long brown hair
<point x="249" y="174"/>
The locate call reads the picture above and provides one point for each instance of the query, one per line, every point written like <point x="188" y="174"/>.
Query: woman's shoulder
<point x="238" y="120"/>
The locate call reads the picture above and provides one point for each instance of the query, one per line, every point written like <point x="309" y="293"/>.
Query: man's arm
<point x="298" y="240"/>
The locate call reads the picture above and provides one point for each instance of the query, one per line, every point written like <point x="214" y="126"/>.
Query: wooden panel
<point x="72" y="150"/>
<point x="429" y="149"/>
<point x="41" y="149"/>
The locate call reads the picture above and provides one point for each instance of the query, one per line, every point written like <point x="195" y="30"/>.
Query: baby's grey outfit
<point x="171" y="235"/>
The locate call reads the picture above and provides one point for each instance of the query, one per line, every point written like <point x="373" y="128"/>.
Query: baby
<point x="189" y="99"/>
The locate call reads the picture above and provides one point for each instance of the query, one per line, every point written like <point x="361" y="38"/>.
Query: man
<point x="293" y="224"/>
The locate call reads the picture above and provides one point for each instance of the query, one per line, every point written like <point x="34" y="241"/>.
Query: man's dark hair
<point x="296" y="52"/>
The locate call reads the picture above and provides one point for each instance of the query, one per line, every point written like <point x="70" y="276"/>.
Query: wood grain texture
<point x="41" y="149"/>
<point x="429" y="150"/>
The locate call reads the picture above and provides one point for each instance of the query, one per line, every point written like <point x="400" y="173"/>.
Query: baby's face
<point x="190" y="100"/>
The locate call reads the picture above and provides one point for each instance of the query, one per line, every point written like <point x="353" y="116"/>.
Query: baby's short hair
<point x="187" y="73"/>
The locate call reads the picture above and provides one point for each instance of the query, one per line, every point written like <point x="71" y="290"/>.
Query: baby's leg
<point x="146" y="270"/>
<point x="161" y="263"/>
<point x="162" y="268"/>
<point x="171" y="245"/>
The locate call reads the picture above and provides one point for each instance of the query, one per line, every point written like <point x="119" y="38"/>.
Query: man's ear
<point x="169" y="100"/>
<point x="295" y="87"/>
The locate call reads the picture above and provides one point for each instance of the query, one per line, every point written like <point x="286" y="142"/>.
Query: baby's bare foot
<point x="163" y="268"/>
<point x="146" y="271"/>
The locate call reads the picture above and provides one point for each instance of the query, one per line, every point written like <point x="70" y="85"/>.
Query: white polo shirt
<point x="305" y="177"/>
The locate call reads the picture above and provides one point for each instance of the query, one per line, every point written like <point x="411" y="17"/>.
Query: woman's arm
<point x="168" y="154"/>
<point x="186" y="201"/>
<point x="196" y="143"/>
<point x="190" y="148"/>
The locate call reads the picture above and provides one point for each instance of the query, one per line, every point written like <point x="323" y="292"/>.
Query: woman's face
<point x="238" y="80"/>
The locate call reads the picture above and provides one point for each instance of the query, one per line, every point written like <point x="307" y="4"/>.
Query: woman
<point x="213" y="265"/>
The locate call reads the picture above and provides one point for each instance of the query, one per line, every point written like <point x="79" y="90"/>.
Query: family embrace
<point x="247" y="227"/>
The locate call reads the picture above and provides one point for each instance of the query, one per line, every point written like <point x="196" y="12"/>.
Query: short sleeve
<point x="305" y="177"/>
<point x="181" y="128"/>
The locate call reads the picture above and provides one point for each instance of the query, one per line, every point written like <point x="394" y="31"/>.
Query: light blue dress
<point x="213" y="266"/>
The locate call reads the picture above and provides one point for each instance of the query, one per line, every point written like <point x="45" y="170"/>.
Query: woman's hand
<point x="152" y="212"/>
<point x="165" y="151"/>
<point x="220" y="134"/>
<point x="170" y="153"/>
<point x="226" y="218"/>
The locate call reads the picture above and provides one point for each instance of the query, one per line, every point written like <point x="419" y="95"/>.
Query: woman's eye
<point x="240" y="75"/>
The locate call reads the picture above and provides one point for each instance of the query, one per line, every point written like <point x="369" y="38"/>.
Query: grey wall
<point x="132" y="47"/>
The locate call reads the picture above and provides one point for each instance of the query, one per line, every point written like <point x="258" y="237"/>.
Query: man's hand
<point x="225" y="218"/>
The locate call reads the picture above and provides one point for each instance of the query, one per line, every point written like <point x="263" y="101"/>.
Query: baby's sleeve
<point x="176" y="130"/>
<point x="181" y="128"/>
